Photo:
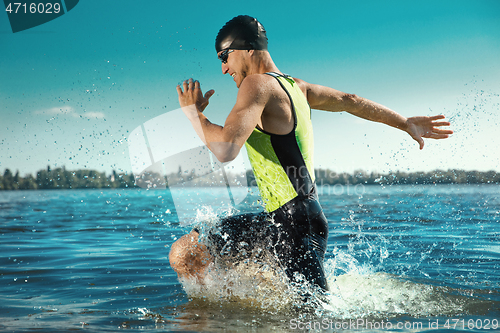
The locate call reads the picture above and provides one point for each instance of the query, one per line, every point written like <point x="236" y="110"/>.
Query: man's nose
<point x="225" y="68"/>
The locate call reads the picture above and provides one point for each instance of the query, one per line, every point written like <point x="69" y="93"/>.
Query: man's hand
<point x="427" y="127"/>
<point x="192" y="96"/>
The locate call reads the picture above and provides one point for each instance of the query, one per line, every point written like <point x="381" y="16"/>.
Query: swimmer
<point x="272" y="117"/>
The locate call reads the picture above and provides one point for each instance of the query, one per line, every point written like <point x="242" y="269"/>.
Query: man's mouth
<point x="233" y="75"/>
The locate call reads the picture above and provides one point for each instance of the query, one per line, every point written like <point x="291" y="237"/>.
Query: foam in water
<point x="254" y="282"/>
<point x="357" y="290"/>
<point x="361" y="292"/>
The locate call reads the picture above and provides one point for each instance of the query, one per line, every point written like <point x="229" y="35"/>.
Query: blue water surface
<point x="97" y="260"/>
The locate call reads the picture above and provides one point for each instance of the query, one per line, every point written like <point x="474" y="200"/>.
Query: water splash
<point x="360" y="292"/>
<point x="357" y="289"/>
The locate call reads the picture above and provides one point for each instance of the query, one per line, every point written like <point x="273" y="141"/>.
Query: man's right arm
<point x="329" y="99"/>
<point x="225" y="141"/>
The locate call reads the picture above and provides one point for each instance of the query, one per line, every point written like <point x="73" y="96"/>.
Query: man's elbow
<point x="350" y="98"/>
<point x="224" y="151"/>
<point x="337" y="102"/>
<point x="225" y="158"/>
<point x="351" y="102"/>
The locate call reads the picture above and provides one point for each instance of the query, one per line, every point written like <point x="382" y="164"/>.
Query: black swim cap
<point x="241" y="33"/>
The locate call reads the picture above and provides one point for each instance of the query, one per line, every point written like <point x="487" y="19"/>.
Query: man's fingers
<point x="438" y="136"/>
<point x="441" y="131"/>
<point x="209" y="93"/>
<point x="437" y="117"/>
<point x="420" y="143"/>
<point x="442" y="123"/>
<point x="428" y="127"/>
<point x="187" y="85"/>
<point x="191" y="84"/>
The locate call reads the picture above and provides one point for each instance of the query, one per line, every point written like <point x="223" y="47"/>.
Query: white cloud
<point x="98" y="115"/>
<point x="69" y="111"/>
<point x="58" y="111"/>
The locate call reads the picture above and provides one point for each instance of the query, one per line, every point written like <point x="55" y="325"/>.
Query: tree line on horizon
<point x="452" y="176"/>
<point x="60" y="178"/>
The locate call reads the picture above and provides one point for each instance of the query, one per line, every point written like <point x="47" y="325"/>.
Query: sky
<point x="74" y="89"/>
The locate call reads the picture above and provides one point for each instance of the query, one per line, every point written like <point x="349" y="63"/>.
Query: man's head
<point x="242" y="47"/>
<point x="241" y="33"/>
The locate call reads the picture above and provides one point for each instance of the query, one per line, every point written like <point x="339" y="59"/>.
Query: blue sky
<point x="73" y="89"/>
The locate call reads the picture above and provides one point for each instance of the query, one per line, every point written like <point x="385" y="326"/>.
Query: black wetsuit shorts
<point x="296" y="234"/>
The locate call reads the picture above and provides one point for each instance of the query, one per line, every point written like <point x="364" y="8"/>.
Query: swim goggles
<point x="223" y="55"/>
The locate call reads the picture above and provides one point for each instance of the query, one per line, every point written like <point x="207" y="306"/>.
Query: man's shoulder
<point x="258" y="83"/>
<point x="265" y="77"/>
<point x="265" y="84"/>
<point x="257" y="79"/>
<point x="302" y="84"/>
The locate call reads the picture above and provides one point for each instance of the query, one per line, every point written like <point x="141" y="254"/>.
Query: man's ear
<point x="251" y="52"/>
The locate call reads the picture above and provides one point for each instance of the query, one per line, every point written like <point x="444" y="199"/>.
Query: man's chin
<point x="238" y="82"/>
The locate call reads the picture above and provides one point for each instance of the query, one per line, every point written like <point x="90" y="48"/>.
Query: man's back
<point x="283" y="162"/>
<point x="277" y="116"/>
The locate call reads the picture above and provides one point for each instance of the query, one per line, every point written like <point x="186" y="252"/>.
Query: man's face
<point x="234" y="63"/>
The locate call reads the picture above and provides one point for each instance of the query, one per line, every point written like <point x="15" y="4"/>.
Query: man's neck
<point x="264" y="64"/>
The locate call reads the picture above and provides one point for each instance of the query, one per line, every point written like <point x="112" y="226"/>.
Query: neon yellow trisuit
<point x="283" y="164"/>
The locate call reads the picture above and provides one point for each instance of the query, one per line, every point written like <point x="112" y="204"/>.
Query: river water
<point x="402" y="258"/>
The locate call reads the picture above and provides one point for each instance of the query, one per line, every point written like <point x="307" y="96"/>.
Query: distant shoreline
<point x="60" y="178"/>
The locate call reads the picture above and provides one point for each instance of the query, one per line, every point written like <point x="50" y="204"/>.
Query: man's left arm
<point x="329" y="99"/>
